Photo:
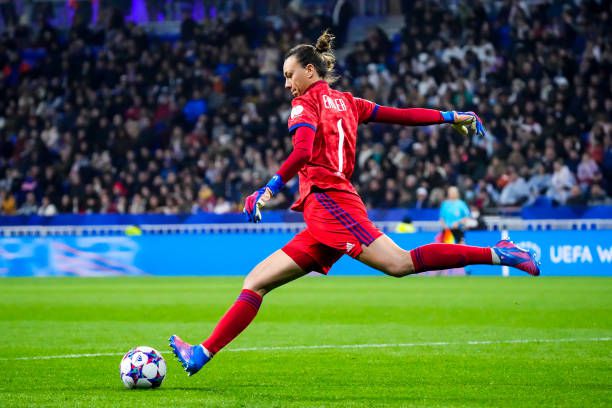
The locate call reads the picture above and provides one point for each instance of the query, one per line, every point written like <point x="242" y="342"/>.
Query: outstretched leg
<point x="386" y="256"/>
<point x="272" y="272"/>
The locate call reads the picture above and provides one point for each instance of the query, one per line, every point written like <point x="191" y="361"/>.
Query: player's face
<point x="298" y="78"/>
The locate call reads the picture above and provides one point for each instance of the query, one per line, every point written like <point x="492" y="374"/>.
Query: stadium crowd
<point x="108" y="119"/>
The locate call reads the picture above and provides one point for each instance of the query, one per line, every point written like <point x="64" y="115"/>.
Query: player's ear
<point x="310" y="70"/>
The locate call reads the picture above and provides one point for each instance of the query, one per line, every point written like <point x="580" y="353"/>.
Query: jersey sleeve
<point x="366" y="110"/>
<point x="304" y="112"/>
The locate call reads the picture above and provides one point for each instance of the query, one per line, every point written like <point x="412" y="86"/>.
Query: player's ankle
<point x="206" y="352"/>
<point x="495" y="258"/>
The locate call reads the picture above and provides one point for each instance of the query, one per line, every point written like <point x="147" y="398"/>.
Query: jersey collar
<point x="315" y="84"/>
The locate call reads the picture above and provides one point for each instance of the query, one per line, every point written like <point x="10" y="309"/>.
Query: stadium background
<point x="129" y="134"/>
<point x="129" y="130"/>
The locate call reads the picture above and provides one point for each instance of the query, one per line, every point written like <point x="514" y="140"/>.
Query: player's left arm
<point x="303" y="143"/>
<point x="463" y="122"/>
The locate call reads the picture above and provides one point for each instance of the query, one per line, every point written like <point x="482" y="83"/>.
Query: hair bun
<point x="324" y="42"/>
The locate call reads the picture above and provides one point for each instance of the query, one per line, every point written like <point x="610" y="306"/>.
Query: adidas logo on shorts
<point x="349" y="246"/>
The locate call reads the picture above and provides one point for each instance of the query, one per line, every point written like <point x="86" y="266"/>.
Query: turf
<point x="54" y="317"/>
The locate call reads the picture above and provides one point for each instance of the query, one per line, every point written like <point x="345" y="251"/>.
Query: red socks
<point x="425" y="258"/>
<point x="434" y="257"/>
<point x="235" y="320"/>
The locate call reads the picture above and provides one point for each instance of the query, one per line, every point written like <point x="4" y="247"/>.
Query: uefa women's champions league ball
<point x="142" y="367"/>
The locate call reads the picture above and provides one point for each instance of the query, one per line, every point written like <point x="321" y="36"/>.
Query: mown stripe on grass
<point x="346" y="346"/>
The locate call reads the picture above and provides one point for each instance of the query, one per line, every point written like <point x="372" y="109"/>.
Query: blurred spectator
<point x="454" y="213"/>
<point x="29" y="206"/>
<point x="539" y="183"/>
<point x="8" y="12"/>
<point x="405" y="226"/>
<point x="562" y="182"/>
<point x="137" y="205"/>
<point x="516" y="191"/>
<point x="476" y="220"/>
<point x="576" y="197"/>
<point x="8" y="205"/>
<point x="421" y="198"/>
<point x="222" y="206"/>
<point x="599" y="196"/>
<point x="588" y="170"/>
<point x="188" y="27"/>
<point x="47" y="208"/>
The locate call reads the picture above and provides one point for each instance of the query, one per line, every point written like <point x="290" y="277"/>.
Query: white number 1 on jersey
<point x="340" y="143"/>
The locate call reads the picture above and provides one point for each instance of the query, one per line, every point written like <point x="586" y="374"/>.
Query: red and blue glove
<point x="256" y="201"/>
<point x="465" y="122"/>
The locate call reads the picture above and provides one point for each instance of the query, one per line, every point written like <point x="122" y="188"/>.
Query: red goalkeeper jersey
<point x="334" y="116"/>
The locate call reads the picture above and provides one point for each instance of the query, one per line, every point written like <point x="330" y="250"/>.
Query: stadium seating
<point x="110" y="119"/>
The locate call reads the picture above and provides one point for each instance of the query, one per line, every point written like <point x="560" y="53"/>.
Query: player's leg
<point x="272" y="272"/>
<point x="385" y="255"/>
<point x="343" y="224"/>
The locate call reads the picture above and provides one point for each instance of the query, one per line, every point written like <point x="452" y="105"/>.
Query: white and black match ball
<point x="142" y="367"/>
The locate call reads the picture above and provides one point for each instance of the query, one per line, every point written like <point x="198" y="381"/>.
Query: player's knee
<point x="259" y="290"/>
<point x="400" y="266"/>
<point x="252" y="283"/>
<point x="395" y="270"/>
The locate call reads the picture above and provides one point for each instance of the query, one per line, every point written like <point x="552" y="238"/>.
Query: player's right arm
<point x="303" y="123"/>
<point x="462" y="122"/>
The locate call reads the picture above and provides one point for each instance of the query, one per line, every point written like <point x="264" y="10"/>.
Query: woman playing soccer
<point x="324" y="123"/>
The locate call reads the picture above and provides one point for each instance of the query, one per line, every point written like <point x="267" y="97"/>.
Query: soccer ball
<point x="142" y="367"/>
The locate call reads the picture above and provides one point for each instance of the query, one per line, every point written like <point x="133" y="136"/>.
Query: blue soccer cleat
<point x="512" y="255"/>
<point x="192" y="358"/>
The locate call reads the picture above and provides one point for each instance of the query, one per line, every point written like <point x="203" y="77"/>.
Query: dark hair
<point x="321" y="56"/>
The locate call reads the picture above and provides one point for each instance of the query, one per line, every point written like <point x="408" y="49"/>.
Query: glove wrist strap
<point x="275" y="184"/>
<point x="448" y="116"/>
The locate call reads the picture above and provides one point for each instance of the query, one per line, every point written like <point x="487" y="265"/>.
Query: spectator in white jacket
<point x="562" y="182"/>
<point x="516" y="192"/>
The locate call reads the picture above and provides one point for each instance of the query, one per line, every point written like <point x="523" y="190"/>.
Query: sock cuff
<point x="494" y="257"/>
<point x="206" y="352"/>
<point x="417" y="259"/>
<point x="251" y="297"/>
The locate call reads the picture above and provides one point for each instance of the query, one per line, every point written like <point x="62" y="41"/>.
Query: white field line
<point x="348" y="346"/>
<point x="426" y="344"/>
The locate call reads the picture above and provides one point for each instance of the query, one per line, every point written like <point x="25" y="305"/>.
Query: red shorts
<point x="336" y="224"/>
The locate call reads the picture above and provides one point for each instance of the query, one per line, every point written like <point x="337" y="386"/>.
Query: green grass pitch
<point x="431" y="342"/>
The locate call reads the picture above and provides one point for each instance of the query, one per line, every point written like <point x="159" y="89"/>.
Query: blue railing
<point x="271" y="216"/>
<point x="281" y="216"/>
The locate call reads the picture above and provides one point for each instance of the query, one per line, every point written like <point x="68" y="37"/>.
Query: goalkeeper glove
<point x="256" y="201"/>
<point x="465" y="122"/>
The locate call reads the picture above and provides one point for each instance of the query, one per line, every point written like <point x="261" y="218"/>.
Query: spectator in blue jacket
<point x="454" y="214"/>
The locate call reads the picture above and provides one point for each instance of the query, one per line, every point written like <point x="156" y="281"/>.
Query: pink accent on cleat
<point x="192" y="358"/>
<point x="517" y="257"/>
